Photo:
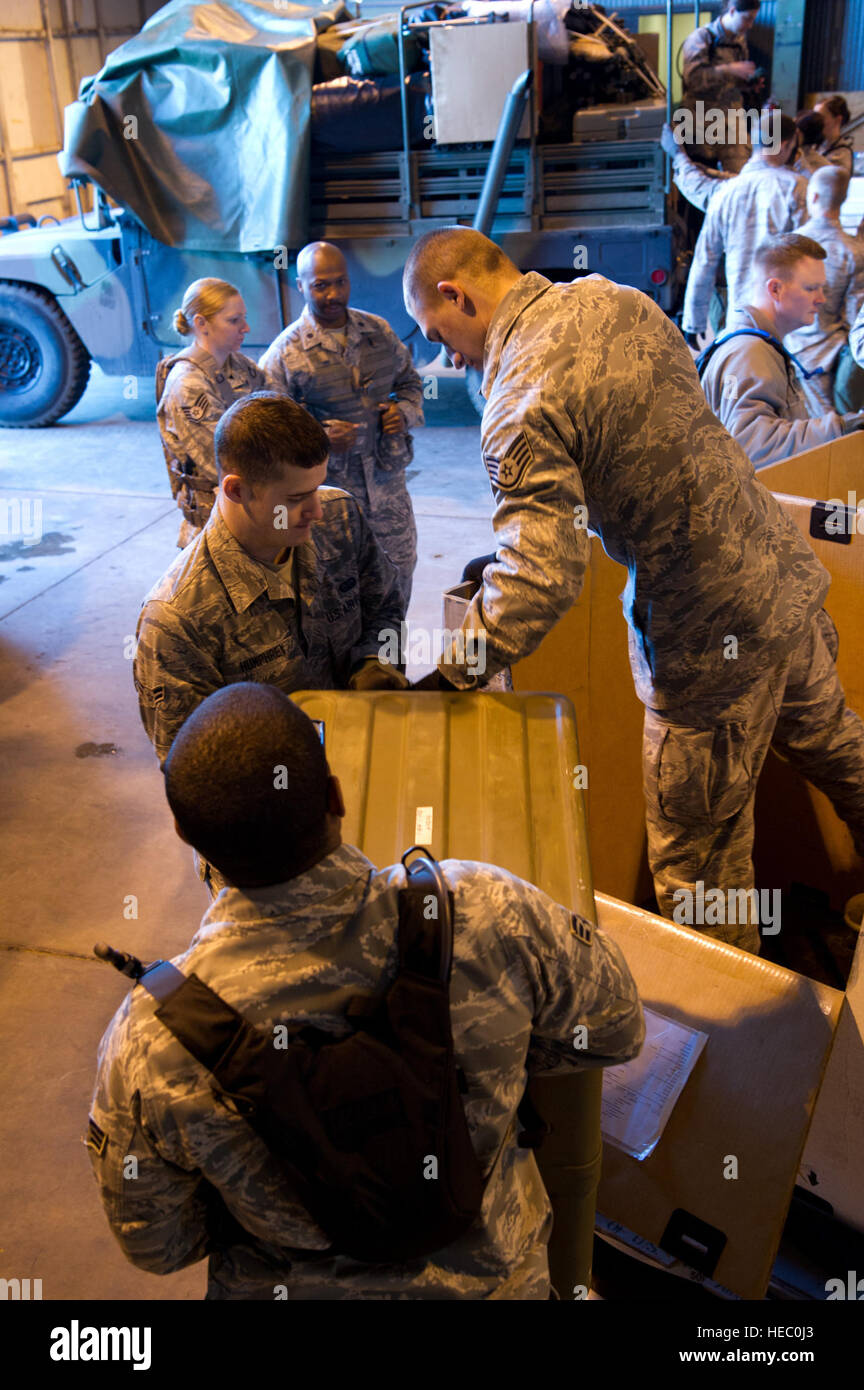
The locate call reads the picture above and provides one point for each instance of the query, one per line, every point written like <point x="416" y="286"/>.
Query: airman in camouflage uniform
<point x="825" y="342"/>
<point x="856" y="338"/>
<point x="759" y="396"/>
<point x="698" y="183"/>
<point x="836" y="148"/>
<point x="194" y="388"/>
<point x="218" y="616"/>
<point x="764" y="200"/>
<point x="347" y="368"/>
<point x="718" y="72"/>
<point x="526" y="973"/>
<point x="595" y="418"/>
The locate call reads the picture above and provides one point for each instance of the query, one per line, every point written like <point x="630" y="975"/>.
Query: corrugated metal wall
<point x="833" y="59"/>
<point x="851" y="76"/>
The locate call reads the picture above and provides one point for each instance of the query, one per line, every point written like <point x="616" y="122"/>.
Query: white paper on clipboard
<point x="640" y="1095"/>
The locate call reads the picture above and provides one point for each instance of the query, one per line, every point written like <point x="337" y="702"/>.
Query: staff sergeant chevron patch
<point x="506" y="473"/>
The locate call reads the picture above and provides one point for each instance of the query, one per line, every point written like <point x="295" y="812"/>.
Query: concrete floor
<point x="85" y="827"/>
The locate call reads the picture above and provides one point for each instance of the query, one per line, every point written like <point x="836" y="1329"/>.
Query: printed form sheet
<point x="639" y="1096"/>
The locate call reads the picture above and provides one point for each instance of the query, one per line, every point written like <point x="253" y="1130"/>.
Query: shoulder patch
<point x="507" y="472"/>
<point x="198" y="408"/>
<point x="579" y="927"/>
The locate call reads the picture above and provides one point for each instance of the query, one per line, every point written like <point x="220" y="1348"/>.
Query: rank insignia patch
<point x="579" y="927"/>
<point x="198" y="409"/>
<point x="507" y="472"/>
<point x="96" y="1137"/>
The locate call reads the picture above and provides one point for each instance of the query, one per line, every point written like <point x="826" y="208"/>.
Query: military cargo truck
<point x="103" y="285"/>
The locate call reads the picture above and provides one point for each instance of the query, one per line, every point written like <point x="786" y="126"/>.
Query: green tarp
<point x="200" y="124"/>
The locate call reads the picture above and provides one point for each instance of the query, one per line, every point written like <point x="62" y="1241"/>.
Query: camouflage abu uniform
<point x="593" y="403"/>
<point x="218" y="616"/>
<point x="841" y="153"/>
<point x="702" y="53"/>
<point x="522" y="980"/>
<point x="348" y="382"/>
<point x="698" y="184"/>
<point x="761" y="202"/>
<point x="825" y="342"/>
<point x="759" y="396"/>
<point x="194" y="398"/>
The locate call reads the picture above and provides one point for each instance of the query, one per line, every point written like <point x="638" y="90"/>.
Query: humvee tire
<point x="44" y="366"/>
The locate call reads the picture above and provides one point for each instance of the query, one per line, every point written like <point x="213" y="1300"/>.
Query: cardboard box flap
<point x="830" y="470"/>
<point x="748" y="1102"/>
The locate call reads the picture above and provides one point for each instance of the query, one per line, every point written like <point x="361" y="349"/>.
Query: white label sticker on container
<point x="423" y="825"/>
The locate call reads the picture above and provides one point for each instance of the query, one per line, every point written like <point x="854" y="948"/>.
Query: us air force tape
<point x="579" y="927"/>
<point x="506" y="473"/>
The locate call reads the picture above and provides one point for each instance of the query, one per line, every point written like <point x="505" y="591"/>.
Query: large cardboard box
<point x="789" y="811"/>
<point x="831" y="470"/>
<point x="832" y="1166"/>
<point x="716" y="1189"/>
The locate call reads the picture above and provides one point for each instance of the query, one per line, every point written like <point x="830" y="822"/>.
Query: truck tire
<point x="44" y="366"/>
<point x="473" y="382"/>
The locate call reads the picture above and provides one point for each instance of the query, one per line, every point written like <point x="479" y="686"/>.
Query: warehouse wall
<point x="834" y="46"/>
<point x="46" y="47"/>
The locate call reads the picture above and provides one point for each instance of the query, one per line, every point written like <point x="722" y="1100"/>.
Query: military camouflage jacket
<point x="841" y="153"/>
<point x="350" y="382"/>
<point x="760" y="202"/>
<point x="819" y="344"/>
<point x="698" y="183"/>
<point x="702" y="53"/>
<point x="217" y="616"/>
<point x="595" y="414"/>
<point x="194" y="400"/>
<point x="758" y="396"/>
<point x="523" y="979"/>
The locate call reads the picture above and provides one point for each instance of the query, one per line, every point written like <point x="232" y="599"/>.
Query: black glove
<point x="434" y="681"/>
<point x="692" y="341"/>
<point x="473" y="571"/>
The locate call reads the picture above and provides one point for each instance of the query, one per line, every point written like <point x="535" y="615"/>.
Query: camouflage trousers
<point x="701" y="764"/>
<point x="388" y="510"/>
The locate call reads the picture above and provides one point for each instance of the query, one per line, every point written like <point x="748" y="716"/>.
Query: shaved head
<point x="256" y="829"/>
<point x="453" y="253"/>
<point x="322" y="279"/>
<point x="453" y="281"/>
<point x="830" y="186"/>
<point x="316" y="255"/>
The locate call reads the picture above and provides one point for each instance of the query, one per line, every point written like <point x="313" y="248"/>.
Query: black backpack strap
<point x="789" y="357"/>
<point x="165" y="365"/>
<point x="425" y="919"/>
